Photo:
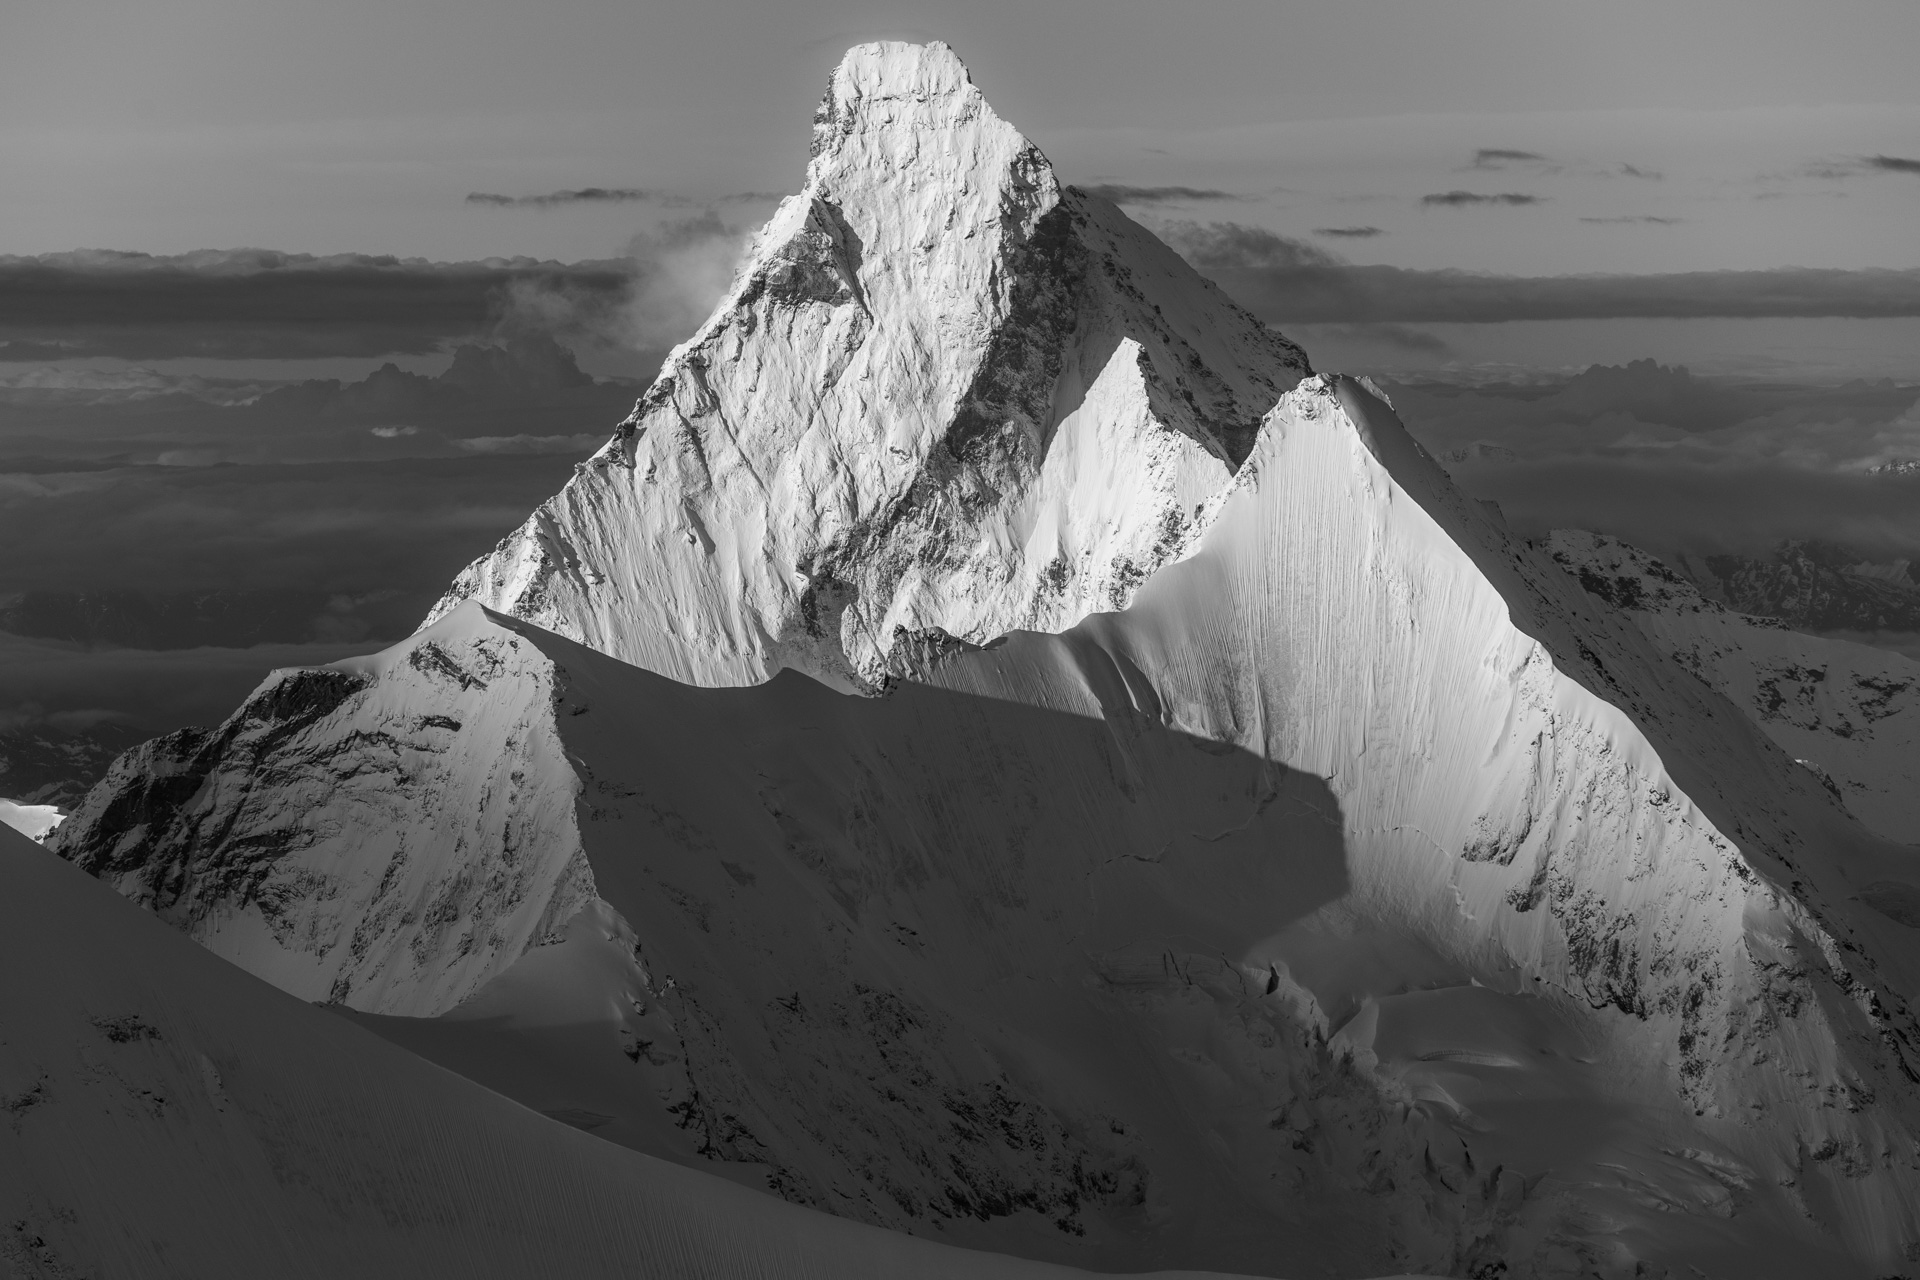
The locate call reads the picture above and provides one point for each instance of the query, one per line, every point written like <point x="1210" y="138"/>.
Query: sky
<point x="361" y="126"/>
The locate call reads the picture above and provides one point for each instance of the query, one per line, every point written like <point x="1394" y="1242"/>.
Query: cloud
<point x="1340" y="344"/>
<point x="1458" y="199"/>
<point x="681" y="269"/>
<point x="585" y="442"/>
<point x="1349" y="233"/>
<point x="71" y="688"/>
<point x="264" y="304"/>
<point x="258" y="303"/>
<point x="1648" y="218"/>
<point x="1286" y="281"/>
<point x="1121" y="194"/>
<point x="1634" y="171"/>
<point x="585" y="195"/>
<point x="1671" y="461"/>
<point x="405" y="524"/>
<point x="1501" y="157"/>
<point x="1855" y="166"/>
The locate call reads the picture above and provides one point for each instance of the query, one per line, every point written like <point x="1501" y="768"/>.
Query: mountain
<point x="994" y="748"/>
<point x="945" y="394"/>
<point x="1816" y="586"/>
<point x="1849" y="712"/>
<point x="167" y="1114"/>
<point x="55" y="764"/>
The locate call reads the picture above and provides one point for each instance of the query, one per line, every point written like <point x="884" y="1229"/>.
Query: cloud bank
<point x="240" y="304"/>
<point x="585" y="195"/>
<point x="262" y="304"/>
<point x="1121" y="194"/>
<point x="1285" y="281"/>
<point x="1678" y="463"/>
<point x="1501" y="157"/>
<point x="1460" y="199"/>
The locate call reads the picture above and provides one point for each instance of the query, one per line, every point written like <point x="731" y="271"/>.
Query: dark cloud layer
<point x="1500" y="157"/>
<point x="554" y="199"/>
<point x="1349" y="233"/>
<point x="1893" y="164"/>
<point x="1121" y="194"/>
<point x="256" y="303"/>
<point x="1287" y="281"/>
<point x="1644" y="218"/>
<point x="1462" y="199"/>
<point x="1681" y="464"/>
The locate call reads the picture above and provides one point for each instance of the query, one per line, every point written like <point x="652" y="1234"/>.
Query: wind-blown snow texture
<point x="1362" y="895"/>
<point x="943" y="392"/>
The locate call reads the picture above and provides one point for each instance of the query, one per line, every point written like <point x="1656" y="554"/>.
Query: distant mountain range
<point x="1815" y="586"/>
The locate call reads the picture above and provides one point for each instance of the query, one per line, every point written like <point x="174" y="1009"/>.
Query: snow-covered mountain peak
<point x="944" y="393"/>
<point x="888" y="90"/>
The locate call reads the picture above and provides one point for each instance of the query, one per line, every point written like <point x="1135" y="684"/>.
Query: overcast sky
<point x="1640" y="135"/>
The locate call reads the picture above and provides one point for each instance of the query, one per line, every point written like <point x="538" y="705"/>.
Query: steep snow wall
<point x="1849" y="712"/>
<point x="942" y="392"/>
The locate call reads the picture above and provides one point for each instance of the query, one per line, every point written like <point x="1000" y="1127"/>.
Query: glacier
<point x="996" y="747"/>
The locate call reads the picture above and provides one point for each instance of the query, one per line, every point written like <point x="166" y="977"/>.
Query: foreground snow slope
<point x="1366" y="895"/>
<point x="943" y="391"/>
<point x="1848" y="711"/>
<point x="167" y="1114"/>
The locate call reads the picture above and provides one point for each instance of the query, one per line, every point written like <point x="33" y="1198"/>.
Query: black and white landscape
<point x="1000" y="764"/>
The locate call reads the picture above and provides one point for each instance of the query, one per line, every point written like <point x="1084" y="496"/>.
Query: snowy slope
<point x="943" y="391"/>
<point x="168" y="1115"/>
<point x="1848" y="711"/>
<point x="31" y="820"/>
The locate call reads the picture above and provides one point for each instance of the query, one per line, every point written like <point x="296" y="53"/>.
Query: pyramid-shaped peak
<point x="945" y="394"/>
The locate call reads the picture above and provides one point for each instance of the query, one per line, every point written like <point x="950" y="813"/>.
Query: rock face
<point x="1849" y="712"/>
<point x="1818" y="586"/>
<point x="1303" y="877"/>
<point x="944" y="392"/>
<point x="357" y="832"/>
